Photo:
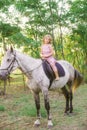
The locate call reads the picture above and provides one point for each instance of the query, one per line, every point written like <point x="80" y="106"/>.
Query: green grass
<point x="2" y="108"/>
<point x="19" y="104"/>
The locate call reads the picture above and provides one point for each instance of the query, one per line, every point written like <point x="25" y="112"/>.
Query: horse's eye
<point x="8" y="60"/>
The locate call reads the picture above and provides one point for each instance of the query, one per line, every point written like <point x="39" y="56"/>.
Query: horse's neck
<point x="27" y="63"/>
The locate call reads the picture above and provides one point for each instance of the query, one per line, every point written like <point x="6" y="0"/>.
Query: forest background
<point x="23" y="23"/>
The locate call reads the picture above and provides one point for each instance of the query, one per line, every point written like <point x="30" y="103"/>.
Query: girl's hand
<point x="42" y="56"/>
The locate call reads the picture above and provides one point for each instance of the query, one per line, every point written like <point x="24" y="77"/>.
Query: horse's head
<point x="8" y="64"/>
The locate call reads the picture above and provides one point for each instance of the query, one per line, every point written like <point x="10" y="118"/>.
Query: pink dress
<point x="46" y="50"/>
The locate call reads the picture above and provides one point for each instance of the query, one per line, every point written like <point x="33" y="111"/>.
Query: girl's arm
<point x="41" y="54"/>
<point x="51" y="53"/>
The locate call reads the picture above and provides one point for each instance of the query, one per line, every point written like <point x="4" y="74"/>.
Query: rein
<point x="28" y="70"/>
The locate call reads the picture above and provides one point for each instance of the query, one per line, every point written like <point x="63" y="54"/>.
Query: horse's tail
<point x="78" y="78"/>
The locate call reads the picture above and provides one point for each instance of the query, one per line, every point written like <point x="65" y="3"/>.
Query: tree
<point x="77" y="17"/>
<point x="7" y="30"/>
<point x="44" y="17"/>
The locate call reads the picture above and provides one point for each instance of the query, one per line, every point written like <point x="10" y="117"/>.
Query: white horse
<point x="39" y="82"/>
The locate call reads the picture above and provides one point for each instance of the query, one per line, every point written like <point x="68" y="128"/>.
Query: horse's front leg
<point x="47" y="107"/>
<point x="37" y="102"/>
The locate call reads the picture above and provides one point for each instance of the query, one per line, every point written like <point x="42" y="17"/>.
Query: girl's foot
<point x="57" y="78"/>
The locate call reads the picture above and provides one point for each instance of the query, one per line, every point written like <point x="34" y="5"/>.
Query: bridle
<point x="12" y="65"/>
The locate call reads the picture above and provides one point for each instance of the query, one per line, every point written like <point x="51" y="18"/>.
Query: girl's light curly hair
<point x="49" y="37"/>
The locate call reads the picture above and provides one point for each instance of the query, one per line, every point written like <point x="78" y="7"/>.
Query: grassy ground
<point x="17" y="110"/>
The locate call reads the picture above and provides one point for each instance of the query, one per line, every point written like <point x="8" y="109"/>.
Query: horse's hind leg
<point x="70" y="95"/>
<point x="37" y="102"/>
<point x="66" y="94"/>
<point x="71" y="98"/>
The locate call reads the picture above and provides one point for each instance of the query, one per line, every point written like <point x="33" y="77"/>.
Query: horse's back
<point x="64" y="79"/>
<point x="69" y="67"/>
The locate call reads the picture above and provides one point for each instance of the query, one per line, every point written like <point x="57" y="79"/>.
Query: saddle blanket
<point x="49" y="71"/>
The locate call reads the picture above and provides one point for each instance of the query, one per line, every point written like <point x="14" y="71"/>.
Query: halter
<point x="12" y="63"/>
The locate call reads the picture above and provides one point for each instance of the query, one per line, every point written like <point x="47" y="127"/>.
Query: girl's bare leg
<point x="56" y="72"/>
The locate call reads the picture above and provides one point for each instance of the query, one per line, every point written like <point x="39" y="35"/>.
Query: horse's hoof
<point x="50" y="124"/>
<point x="66" y="114"/>
<point x="37" y="123"/>
<point x="71" y="114"/>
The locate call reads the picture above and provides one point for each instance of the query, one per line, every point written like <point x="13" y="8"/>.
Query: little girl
<point x="47" y="53"/>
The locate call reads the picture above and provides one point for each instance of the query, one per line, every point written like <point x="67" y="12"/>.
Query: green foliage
<point x="76" y="46"/>
<point x="24" y="5"/>
<point x="78" y="11"/>
<point x="28" y="45"/>
<point x="4" y="3"/>
<point x="7" y="29"/>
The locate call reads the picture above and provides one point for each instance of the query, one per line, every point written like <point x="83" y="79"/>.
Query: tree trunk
<point x="4" y="44"/>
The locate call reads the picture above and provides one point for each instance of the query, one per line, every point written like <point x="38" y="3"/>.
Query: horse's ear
<point x="11" y="48"/>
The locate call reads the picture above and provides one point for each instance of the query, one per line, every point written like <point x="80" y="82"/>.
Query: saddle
<point x="49" y="71"/>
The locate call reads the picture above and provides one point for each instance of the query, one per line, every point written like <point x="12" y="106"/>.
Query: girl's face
<point x="47" y="40"/>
